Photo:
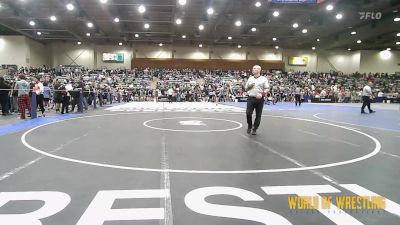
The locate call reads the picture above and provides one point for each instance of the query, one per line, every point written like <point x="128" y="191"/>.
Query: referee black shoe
<point x="248" y="131"/>
<point x="254" y="132"/>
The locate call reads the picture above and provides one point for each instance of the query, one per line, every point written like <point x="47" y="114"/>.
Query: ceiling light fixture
<point x="136" y="35"/>
<point x="120" y="44"/>
<point x="178" y="21"/>
<point x="141" y="9"/>
<point x="161" y="44"/>
<point x="313" y="48"/>
<point x="349" y="49"/>
<point x="253" y="29"/>
<point x="295" y="25"/>
<point x="397" y="19"/>
<point x="353" y="33"/>
<point x="184" y="36"/>
<point x="201" y="27"/>
<point x="318" y="40"/>
<point x="146" y="26"/>
<point x="116" y="19"/>
<point x="88" y="34"/>
<point x="359" y="42"/>
<point x="276" y="13"/>
<point x="385" y="54"/>
<point x="32" y="23"/>
<point x="398" y="43"/>
<point x="79" y="43"/>
<point x="53" y="18"/>
<point x="339" y="16"/>
<point x="398" y="34"/>
<point x="329" y="7"/>
<point x="39" y="33"/>
<point x="103" y="1"/>
<point x="70" y="7"/>
<point x="229" y="38"/>
<point x="200" y="45"/>
<point x="182" y="2"/>
<point x="90" y="25"/>
<point x="304" y="31"/>
<point x="274" y="39"/>
<point x="277" y="47"/>
<point x="239" y="46"/>
<point x="210" y="11"/>
<point x="258" y="4"/>
<point x="238" y="23"/>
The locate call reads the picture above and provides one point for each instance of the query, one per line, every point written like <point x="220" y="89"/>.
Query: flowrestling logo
<point x="370" y="15"/>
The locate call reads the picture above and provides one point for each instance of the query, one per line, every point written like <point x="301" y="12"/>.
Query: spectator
<point x="4" y="93"/>
<point x="22" y="86"/>
<point x="46" y="95"/>
<point x="38" y="89"/>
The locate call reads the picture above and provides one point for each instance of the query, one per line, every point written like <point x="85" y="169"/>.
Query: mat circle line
<point x="369" y="155"/>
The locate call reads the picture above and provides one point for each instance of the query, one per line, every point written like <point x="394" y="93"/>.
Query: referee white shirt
<point x="260" y="84"/>
<point x="367" y="91"/>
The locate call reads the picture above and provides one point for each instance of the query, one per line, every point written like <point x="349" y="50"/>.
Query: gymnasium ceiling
<point x="161" y="15"/>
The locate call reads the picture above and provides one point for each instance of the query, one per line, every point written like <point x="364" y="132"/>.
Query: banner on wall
<point x="298" y="61"/>
<point x="113" y="57"/>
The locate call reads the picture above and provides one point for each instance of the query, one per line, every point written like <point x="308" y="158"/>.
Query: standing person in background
<point x="100" y="95"/>
<point x="170" y="92"/>
<point x="58" y="97"/>
<point x="74" y="97"/>
<point x="14" y="100"/>
<point x="23" y="95"/>
<point x="85" y="94"/>
<point x="297" y="95"/>
<point x="46" y="95"/>
<point x="256" y="87"/>
<point x="366" y="98"/>
<point x="66" y="97"/>
<point x="4" y="96"/>
<point x="156" y="95"/>
<point x="38" y="89"/>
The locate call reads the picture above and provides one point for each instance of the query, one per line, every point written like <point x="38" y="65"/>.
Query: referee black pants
<point x="366" y="102"/>
<point x="257" y="104"/>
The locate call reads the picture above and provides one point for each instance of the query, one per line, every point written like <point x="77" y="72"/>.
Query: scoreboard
<point x="298" y="61"/>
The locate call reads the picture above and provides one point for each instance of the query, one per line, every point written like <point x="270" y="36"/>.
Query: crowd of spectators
<point x="64" y="86"/>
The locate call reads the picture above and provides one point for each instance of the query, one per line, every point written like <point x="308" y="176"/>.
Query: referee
<point x="256" y="88"/>
<point x="366" y="97"/>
